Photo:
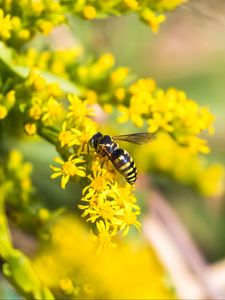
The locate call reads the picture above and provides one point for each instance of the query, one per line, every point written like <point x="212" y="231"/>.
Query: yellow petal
<point x="64" y="181"/>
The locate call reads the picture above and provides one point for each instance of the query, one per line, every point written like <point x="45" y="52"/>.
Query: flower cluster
<point x="61" y="62"/>
<point x="141" y="102"/>
<point x="109" y="202"/>
<point x="151" y="12"/>
<point x="15" y="178"/>
<point x="170" y="111"/>
<point x="166" y="157"/>
<point x="20" y="20"/>
<point x="98" y="276"/>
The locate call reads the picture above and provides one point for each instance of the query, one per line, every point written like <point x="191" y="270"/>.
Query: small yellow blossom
<point x="45" y="26"/>
<point x="152" y="19"/>
<point x="128" y="218"/>
<point x="98" y="184"/>
<point x="35" y="111"/>
<point x="30" y="128"/>
<point x="119" y="75"/>
<point x="11" y="97"/>
<point x="36" y="81"/>
<point x="53" y="111"/>
<point x="78" y="109"/>
<point x="5" y="25"/>
<point x="133" y="113"/>
<point x="104" y="237"/>
<point x="106" y="61"/>
<point x="24" y="34"/>
<point x="120" y="94"/>
<point x="68" y="169"/>
<point x="3" y="112"/>
<point x="66" y="286"/>
<point x="133" y="4"/>
<point x="160" y="121"/>
<point x="91" y="96"/>
<point x="43" y="214"/>
<point x="89" y="12"/>
<point x="37" y="7"/>
<point x="69" y="137"/>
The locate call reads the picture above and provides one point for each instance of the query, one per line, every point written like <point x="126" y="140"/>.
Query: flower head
<point x="69" y="169"/>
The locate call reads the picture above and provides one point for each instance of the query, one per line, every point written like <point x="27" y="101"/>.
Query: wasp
<point x="105" y="145"/>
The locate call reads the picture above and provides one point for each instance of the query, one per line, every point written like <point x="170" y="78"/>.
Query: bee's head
<point x="93" y="142"/>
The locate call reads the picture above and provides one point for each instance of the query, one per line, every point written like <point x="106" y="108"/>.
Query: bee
<point x="105" y="145"/>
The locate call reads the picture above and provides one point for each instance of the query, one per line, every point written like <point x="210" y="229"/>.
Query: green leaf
<point x="19" y="271"/>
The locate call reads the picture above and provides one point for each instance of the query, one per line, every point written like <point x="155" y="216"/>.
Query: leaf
<point x="19" y="271"/>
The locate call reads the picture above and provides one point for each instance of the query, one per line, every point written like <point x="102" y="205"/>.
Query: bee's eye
<point x="92" y="142"/>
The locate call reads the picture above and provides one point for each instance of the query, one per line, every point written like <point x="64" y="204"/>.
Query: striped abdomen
<point x="124" y="163"/>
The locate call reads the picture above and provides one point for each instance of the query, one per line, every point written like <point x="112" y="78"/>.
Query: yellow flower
<point x="120" y="94"/>
<point x="3" y="112"/>
<point x="143" y="86"/>
<point x="53" y="111"/>
<point x="98" y="184"/>
<point x="128" y="218"/>
<point x="88" y="129"/>
<point x="36" y="81"/>
<point x="35" y="111"/>
<point x="30" y="128"/>
<point x="104" y="237"/>
<point x="119" y="75"/>
<point x="24" y="34"/>
<point x="43" y="215"/>
<point x="152" y="18"/>
<point x="45" y="26"/>
<point x="69" y="137"/>
<point x="68" y="169"/>
<point x="106" y="61"/>
<point x="133" y="4"/>
<point x="11" y="98"/>
<point x="131" y="113"/>
<point x="89" y="12"/>
<point x="160" y="121"/>
<point x="78" y="110"/>
<point x="5" y="25"/>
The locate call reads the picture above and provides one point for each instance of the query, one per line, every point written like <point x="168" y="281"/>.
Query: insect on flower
<point x="104" y="145"/>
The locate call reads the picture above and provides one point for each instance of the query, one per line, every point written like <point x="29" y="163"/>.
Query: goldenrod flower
<point x="89" y="12"/>
<point x="35" y="111"/>
<point x="3" y="112"/>
<point x="30" y="128"/>
<point x="78" y="110"/>
<point x="133" y="4"/>
<point x="53" y="111"/>
<point x="160" y="121"/>
<point x="66" y="285"/>
<point x="5" y="25"/>
<point x="11" y="98"/>
<point x="119" y="75"/>
<point x="128" y="218"/>
<point x="68" y="138"/>
<point x="104" y="237"/>
<point x="152" y="19"/>
<point x="68" y="169"/>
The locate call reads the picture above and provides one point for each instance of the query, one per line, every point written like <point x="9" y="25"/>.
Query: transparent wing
<point x="135" y="138"/>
